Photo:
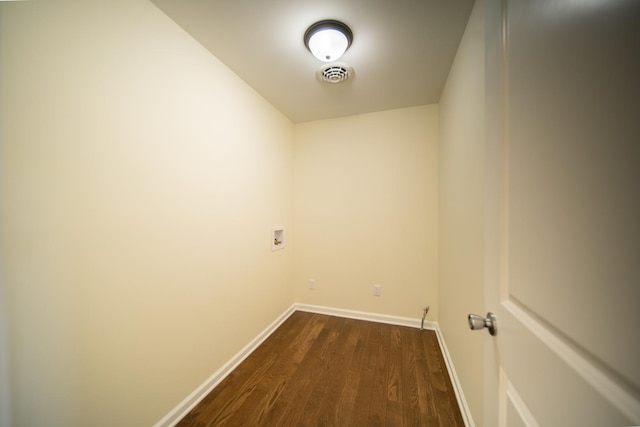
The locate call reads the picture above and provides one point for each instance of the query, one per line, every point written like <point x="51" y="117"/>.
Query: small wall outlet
<point x="312" y="284"/>
<point x="377" y="290"/>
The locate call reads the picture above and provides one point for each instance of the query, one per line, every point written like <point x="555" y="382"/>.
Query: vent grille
<point x="335" y="74"/>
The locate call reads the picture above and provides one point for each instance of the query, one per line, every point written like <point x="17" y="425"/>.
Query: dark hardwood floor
<point x="318" y="370"/>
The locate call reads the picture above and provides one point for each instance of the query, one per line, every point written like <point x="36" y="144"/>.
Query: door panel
<point x="563" y="187"/>
<point x="573" y="172"/>
<point x="518" y="413"/>
<point x="514" y="418"/>
<point x="554" y="380"/>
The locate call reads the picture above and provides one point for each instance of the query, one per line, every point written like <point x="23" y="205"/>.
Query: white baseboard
<point x="361" y="315"/>
<point x="462" y="401"/>
<point x="183" y="408"/>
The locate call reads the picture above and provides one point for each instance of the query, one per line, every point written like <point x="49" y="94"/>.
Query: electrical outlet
<point x="377" y="290"/>
<point x="312" y="284"/>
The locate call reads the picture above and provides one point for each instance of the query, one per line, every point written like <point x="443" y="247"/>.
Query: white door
<point x="563" y="212"/>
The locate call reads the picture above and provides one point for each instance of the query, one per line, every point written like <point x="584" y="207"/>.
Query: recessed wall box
<point x="277" y="238"/>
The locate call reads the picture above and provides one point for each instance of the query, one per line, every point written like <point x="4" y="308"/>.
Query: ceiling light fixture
<point x="328" y="40"/>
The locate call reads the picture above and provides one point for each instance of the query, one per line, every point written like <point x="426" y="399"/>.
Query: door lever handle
<point x="477" y="322"/>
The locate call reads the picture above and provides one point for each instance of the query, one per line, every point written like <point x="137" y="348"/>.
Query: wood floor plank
<point x="411" y="406"/>
<point x="440" y="385"/>
<point x="219" y="408"/>
<point x="347" y="399"/>
<point x="288" y="382"/>
<point x="326" y="369"/>
<point x="216" y="406"/>
<point x="394" y="414"/>
<point x="426" y="397"/>
<point x="323" y="405"/>
<point x="318" y="370"/>
<point x="367" y="341"/>
<point x="394" y="390"/>
<point x="379" y="390"/>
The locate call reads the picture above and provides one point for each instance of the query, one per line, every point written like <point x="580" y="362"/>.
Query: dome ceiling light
<point x="328" y="40"/>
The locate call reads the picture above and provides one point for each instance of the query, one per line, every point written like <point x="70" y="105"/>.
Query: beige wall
<point x="461" y="210"/>
<point x="365" y="211"/>
<point x="140" y="180"/>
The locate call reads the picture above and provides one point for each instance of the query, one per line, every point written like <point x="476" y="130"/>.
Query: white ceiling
<point x="401" y="53"/>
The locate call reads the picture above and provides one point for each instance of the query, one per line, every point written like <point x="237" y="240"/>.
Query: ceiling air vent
<point x="335" y="73"/>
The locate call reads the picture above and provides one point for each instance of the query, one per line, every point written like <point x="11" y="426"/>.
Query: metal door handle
<point x="477" y="322"/>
